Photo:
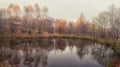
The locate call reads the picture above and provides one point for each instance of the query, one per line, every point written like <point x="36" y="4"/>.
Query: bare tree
<point x="29" y="11"/>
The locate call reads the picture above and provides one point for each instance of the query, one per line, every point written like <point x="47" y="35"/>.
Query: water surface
<point x="54" y="53"/>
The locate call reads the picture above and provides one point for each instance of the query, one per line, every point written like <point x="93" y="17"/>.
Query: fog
<point x="67" y="9"/>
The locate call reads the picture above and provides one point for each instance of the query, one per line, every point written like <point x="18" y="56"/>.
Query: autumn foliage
<point x="60" y="26"/>
<point x="34" y="20"/>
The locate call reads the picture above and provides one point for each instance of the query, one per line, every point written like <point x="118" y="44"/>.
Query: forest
<point x="34" y="21"/>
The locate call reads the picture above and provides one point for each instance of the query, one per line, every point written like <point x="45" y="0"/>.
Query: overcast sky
<point x="67" y="9"/>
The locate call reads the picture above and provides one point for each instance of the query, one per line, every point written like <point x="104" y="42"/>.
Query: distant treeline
<point x="34" y="20"/>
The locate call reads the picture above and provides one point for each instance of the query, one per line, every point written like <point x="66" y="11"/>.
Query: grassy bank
<point x="85" y="37"/>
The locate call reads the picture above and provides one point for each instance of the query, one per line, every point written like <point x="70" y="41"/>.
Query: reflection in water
<point x="54" y="53"/>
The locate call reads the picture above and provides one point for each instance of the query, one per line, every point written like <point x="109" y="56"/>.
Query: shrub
<point x="111" y="63"/>
<point x="117" y="48"/>
<point x="39" y="32"/>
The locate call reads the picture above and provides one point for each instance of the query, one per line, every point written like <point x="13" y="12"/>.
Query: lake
<point x="52" y="52"/>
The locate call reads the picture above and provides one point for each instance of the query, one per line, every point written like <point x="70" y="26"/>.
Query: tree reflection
<point x="82" y="49"/>
<point x="101" y="53"/>
<point x="60" y="44"/>
<point x="28" y="53"/>
<point x="34" y="53"/>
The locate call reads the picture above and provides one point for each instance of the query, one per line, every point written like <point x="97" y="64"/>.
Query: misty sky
<point x="67" y="9"/>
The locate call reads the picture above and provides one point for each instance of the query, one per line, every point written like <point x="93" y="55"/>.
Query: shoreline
<point x="108" y="42"/>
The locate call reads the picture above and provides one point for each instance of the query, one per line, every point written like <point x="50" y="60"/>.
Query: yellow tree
<point x="16" y="9"/>
<point x="60" y="26"/>
<point x="80" y="25"/>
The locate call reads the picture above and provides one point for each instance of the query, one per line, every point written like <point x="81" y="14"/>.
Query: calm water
<point x="54" y="53"/>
